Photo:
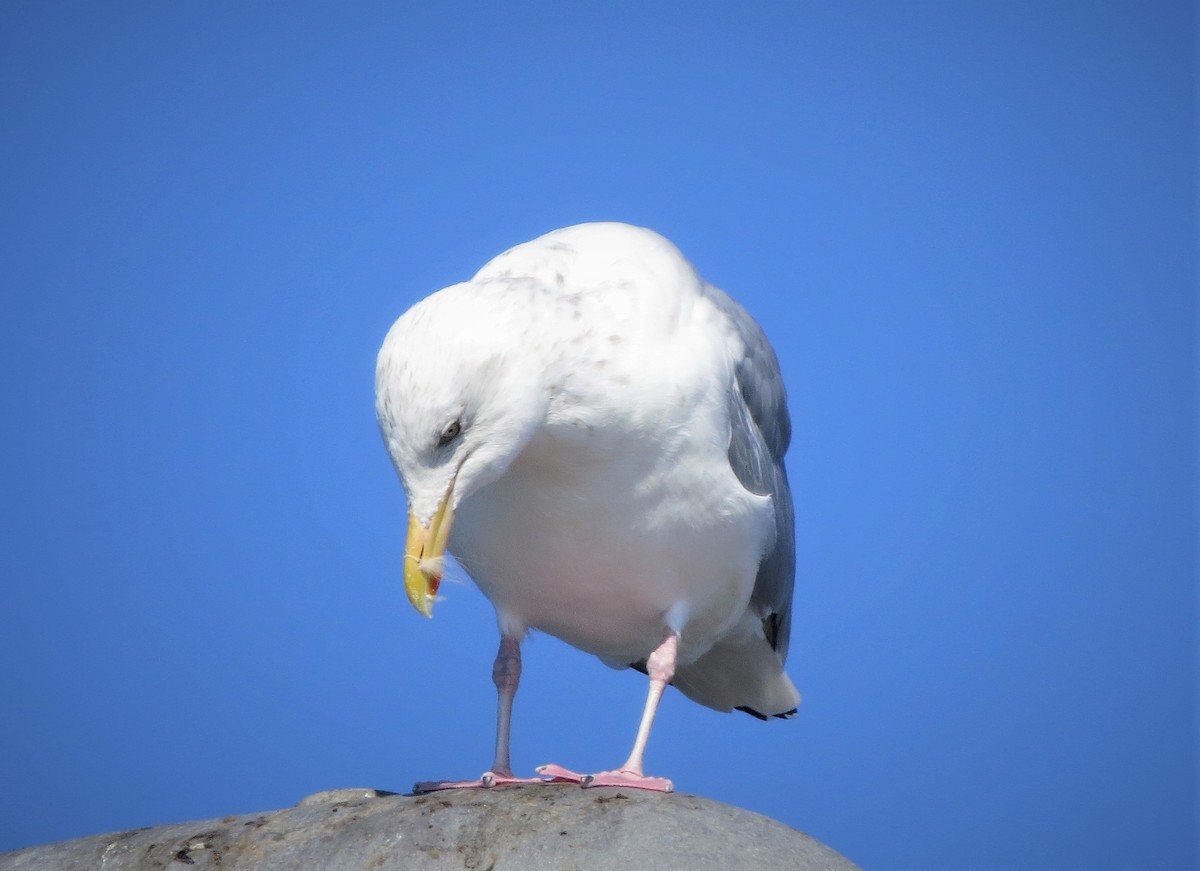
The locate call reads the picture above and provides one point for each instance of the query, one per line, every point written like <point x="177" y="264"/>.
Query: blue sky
<point x="969" y="229"/>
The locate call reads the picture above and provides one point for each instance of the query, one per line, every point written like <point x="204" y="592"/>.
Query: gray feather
<point x="760" y="430"/>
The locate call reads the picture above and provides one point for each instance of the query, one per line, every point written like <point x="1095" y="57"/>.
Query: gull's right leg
<point x="506" y="674"/>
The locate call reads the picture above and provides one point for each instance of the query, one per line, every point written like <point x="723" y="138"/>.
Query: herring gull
<point x="597" y="435"/>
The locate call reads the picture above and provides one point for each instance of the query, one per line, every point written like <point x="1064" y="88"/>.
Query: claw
<point x="628" y="779"/>
<point x="558" y="774"/>
<point x="487" y="780"/>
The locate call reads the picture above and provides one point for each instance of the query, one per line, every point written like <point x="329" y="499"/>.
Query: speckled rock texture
<point x="523" y="827"/>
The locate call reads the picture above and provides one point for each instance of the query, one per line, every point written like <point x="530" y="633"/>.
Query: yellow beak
<point x="424" y="555"/>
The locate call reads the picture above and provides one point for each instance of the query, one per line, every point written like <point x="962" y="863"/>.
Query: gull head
<point x="459" y="392"/>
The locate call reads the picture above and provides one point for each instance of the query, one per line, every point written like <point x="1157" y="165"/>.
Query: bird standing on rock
<point x="597" y="435"/>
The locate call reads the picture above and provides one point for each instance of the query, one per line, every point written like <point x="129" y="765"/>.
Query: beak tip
<point x="420" y="591"/>
<point x="424" y="557"/>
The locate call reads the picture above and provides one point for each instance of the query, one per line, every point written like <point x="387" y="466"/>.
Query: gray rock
<point x="553" y="826"/>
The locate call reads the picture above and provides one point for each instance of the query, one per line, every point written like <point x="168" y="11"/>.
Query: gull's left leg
<point x="661" y="668"/>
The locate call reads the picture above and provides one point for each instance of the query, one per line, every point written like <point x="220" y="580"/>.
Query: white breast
<point x="603" y="535"/>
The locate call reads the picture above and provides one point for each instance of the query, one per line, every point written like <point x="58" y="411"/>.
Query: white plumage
<point x="601" y="433"/>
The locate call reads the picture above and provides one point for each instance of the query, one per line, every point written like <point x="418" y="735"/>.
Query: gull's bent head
<point x="459" y="392"/>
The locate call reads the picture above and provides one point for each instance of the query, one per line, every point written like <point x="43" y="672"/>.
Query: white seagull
<point x="597" y="435"/>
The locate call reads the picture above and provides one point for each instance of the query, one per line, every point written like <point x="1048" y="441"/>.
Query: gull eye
<point x="450" y="433"/>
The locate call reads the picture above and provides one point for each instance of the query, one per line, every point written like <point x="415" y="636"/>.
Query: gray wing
<point x="759" y="436"/>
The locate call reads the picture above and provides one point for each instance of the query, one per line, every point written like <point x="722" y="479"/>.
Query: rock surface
<point x="558" y="827"/>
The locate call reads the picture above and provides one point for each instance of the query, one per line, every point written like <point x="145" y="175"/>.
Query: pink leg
<point x="506" y="674"/>
<point x="661" y="668"/>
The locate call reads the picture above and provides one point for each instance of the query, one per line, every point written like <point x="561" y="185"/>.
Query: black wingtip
<point x="786" y="715"/>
